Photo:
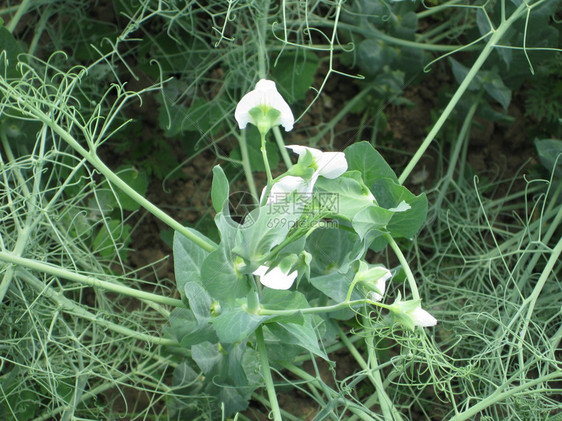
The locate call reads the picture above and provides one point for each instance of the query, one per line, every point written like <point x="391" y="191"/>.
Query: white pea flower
<point x="325" y="164"/>
<point x="264" y="107"/>
<point x="284" y="187"/>
<point x="276" y="278"/>
<point x="410" y="314"/>
<point x="422" y="317"/>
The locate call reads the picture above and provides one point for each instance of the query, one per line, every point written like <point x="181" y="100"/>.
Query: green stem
<point x="72" y="308"/>
<point x="265" y="160"/>
<point x="87" y="280"/>
<point x="94" y="160"/>
<point x="262" y="52"/>
<point x="31" y="219"/>
<point x="405" y="266"/>
<point x="389" y="410"/>
<point x="531" y="300"/>
<point x="371" y="32"/>
<point x="373" y="373"/>
<point x="282" y="148"/>
<point x="317" y="310"/>
<point x="357" y="410"/>
<point x="247" y="166"/>
<point x="498" y="396"/>
<point x="266" y="371"/>
<point x="486" y="51"/>
<point x="22" y="9"/>
<point x="461" y="139"/>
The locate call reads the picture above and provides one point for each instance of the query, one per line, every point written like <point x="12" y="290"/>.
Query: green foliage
<point x="221" y="279"/>
<point x="544" y="97"/>
<point x="294" y="73"/>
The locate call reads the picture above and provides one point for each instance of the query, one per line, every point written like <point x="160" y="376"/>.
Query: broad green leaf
<point x="184" y="375"/>
<point x="332" y="250"/>
<point x="370" y="219"/>
<point x="236" y="324"/>
<point x="494" y="86"/>
<point x="550" y="153"/>
<point x="113" y="198"/>
<point x="206" y="355"/>
<point x="113" y="237"/>
<point x="273" y="299"/>
<point x="199" y="301"/>
<point x="262" y="230"/>
<point x="188" y="259"/>
<point x="8" y="53"/>
<point x="294" y="74"/>
<point x="235" y="398"/>
<point x="201" y="116"/>
<point x="219" y="188"/>
<point x="182" y="322"/>
<point x="460" y="72"/>
<point x="135" y="179"/>
<point x="297" y="334"/>
<point x="373" y="55"/>
<point x="187" y="330"/>
<point x="336" y="285"/>
<point x="352" y="195"/>
<point x="220" y="278"/>
<point x="390" y="195"/>
<point x="364" y="158"/>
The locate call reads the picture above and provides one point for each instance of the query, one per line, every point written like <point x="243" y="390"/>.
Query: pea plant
<point x="277" y="278"/>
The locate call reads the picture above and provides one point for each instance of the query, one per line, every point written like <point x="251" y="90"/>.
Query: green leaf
<point x="332" y="250"/>
<point x="489" y="80"/>
<point x="199" y="301"/>
<point x="220" y="278"/>
<point x="201" y="116"/>
<point x="298" y="334"/>
<point x="113" y="237"/>
<point x="403" y="223"/>
<point x="262" y="230"/>
<point x="219" y="188"/>
<point x="206" y="355"/>
<point x="364" y="158"/>
<point x="373" y="55"/>
<point x="236" y="324"/>
<point x="494" y="86"/>
<point x="273" y="299"/>
<point x="294" y="74"/>
<point x="336" y="284"/>
<point x="114" y="198"/>
<point x="138" y="181"/>
<point x="550" y="153"/>
<point x="188" y="258"/>
<point x="187" y="330"/>
<point x="9" y="53"/>
<point x="351" y="192"/>
<point x="371" y="219"/>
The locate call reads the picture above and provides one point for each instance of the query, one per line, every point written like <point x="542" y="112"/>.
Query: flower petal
<point x="329" y="164"/>
<point x="422" y="317"/>
<point x="275" y="278"/>
<point x="284" y="187"/>
<point x="332" y="164"/>
<point x="264" y="94"/>
<point x="301" y="150"/>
